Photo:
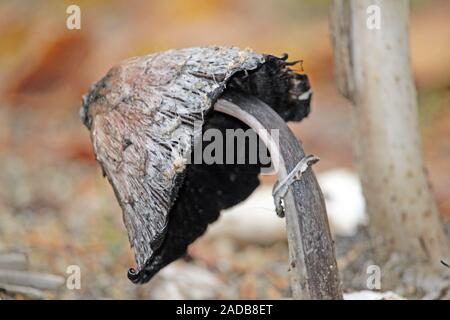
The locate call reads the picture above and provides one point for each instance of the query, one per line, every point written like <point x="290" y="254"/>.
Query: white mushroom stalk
<point x="313" y="268"/>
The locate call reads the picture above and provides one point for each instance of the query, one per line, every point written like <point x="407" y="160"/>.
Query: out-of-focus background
<point x="56" y="207"/>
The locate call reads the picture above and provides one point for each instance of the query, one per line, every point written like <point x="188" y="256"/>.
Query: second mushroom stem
<point x="313" y="268"/>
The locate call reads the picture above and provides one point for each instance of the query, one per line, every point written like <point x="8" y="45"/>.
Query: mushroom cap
<point x="146" y="115"/>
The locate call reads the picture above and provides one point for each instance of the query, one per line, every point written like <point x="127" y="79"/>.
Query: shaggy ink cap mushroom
<point x="141" y="119"/>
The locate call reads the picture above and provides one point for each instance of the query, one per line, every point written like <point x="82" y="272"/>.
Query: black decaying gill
<point x="141" y="116"/>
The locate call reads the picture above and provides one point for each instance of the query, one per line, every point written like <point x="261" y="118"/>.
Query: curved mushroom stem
<point x="313" y="268"/>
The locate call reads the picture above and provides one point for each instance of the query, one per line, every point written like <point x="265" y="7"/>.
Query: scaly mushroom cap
<point x="141" y="116"/>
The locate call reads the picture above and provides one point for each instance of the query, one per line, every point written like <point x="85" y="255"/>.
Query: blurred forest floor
<point x="55" y="204"/>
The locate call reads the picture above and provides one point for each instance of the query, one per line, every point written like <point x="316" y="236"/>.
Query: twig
<point x="36" y="280"/>
<point x="13" y="261"/>
<point x="26" y="291"/>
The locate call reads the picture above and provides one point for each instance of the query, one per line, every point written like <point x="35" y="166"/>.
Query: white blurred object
<point x="344" y="199"/>
<point x="183" y="280"/>
<point x="372" y="295"/>
<point x="255" y="221"/>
